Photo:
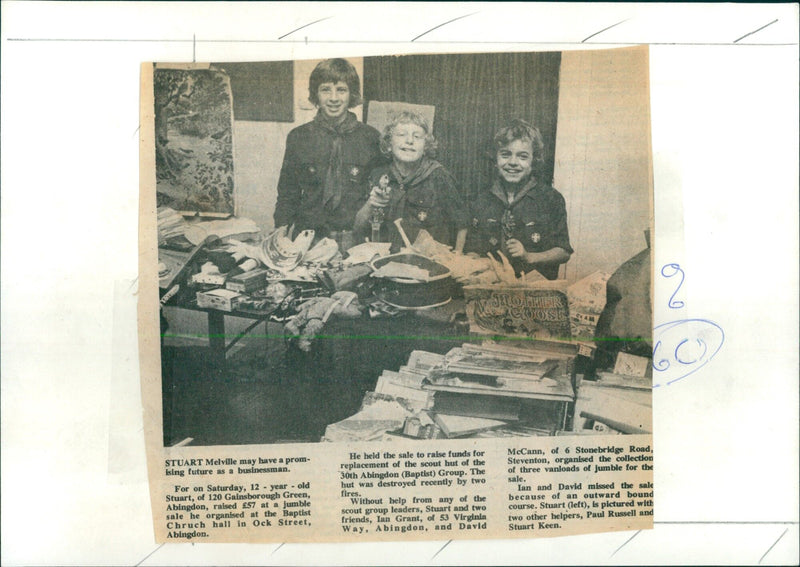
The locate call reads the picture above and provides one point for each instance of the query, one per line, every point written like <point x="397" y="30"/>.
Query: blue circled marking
<point x="675" y="270"/>
<point x="659" y="364"/>
<point x="700" y="342"/>
<point x="674" y="357"/>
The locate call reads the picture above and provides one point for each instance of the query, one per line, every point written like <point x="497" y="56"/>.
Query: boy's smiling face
<point x="515" y="161"/>
<point x="408" y="142"/>
<point x="334" y="99"/>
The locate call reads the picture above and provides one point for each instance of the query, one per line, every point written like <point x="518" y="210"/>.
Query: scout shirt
<point x="426" y="199"/>
<point x="323" y="178"/>
<point x="537" y="217"/>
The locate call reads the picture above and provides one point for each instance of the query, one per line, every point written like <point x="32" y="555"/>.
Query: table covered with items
<point x="428" y="343"/>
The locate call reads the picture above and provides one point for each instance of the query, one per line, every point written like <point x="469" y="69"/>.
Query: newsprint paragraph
<point x="397" y="298"/>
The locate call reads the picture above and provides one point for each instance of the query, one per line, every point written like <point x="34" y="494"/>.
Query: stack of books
<point x="502" y="383"/>
<point x="481" y="390"/>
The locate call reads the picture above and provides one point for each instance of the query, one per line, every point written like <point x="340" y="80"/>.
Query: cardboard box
<point x="248" y="281"/>
<point x="539" y="311"/>
<point x="222" y="299"/>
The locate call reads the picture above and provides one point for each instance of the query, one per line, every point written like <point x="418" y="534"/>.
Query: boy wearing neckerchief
<point x="413" y="187"/>
<point x="521" y="215"/>
<point x="326" y="161"/>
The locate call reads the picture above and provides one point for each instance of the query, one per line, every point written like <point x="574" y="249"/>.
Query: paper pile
<point x="170" y="224"/>
<point x="474" y="389"/>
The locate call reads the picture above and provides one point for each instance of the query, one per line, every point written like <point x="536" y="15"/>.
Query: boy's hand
<point x="504" y="270"/>
<point x="515" y="248"/>
<point x="379" y="197"/>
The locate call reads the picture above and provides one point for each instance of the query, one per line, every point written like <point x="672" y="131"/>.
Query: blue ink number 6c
<point x="669" y="271"/>
<point x="684" y="347"/>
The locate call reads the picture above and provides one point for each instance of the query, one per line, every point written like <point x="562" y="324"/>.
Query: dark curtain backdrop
<point x="474" y="94"/>
<point x="261" y="91"/>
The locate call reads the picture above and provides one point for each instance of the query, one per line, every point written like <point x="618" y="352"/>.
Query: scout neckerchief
<point x="423" y="171"/>
<point x="508" y="223"/>
<point x="426" y="167"/>
<point x="407" y="183"/>
<point x="332" y="189"/>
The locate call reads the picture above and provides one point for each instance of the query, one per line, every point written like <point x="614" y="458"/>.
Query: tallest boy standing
<point x="321" y="186"/>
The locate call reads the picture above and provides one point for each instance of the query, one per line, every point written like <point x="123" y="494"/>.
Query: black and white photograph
<point x="404" y="247"/>
<point x="439" y="283"/>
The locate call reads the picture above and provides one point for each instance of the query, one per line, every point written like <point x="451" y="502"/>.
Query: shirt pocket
<point x="535" y="231"/>
<point x="421" y="208"/>
<point x="489" y="224"/>
<point x="489" y="231"/>
<point x="309" y="174"/>
<point x="354" y="173"/>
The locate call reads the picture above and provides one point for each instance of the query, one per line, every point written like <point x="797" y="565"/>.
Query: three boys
<point x="331" y="160"/>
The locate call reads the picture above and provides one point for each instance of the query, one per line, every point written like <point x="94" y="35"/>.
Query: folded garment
<point x="403" y="271"/>
<point x="322" y="252"/>
<point x="366" y="252"/>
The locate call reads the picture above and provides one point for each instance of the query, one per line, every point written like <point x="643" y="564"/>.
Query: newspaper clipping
<point x="397" y="297"/>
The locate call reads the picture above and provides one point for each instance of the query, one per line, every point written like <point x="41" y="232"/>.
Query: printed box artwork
<point x="518" y="311"/>
<point x="587" y="298"/>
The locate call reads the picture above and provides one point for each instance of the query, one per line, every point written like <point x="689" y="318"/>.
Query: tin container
<point x="406" y="293"/>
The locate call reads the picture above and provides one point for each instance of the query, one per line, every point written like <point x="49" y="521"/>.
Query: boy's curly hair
<point x="520" y="130"/>
<point x="408" y="117"/>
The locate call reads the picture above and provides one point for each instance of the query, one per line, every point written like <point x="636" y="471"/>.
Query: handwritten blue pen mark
<point x="700" y="343"/>
<point x="674" y="269"/>
<point x="684" y="347"/>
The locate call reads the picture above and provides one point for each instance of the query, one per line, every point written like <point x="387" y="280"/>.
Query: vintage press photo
<point x="397" y="296"/>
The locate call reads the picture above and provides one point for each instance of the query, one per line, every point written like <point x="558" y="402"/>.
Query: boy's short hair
<point x="520" y="130"/>
<point x="408" y="117"/>
<point x="334" y="71"/>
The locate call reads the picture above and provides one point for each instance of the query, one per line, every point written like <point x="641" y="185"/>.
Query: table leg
<point x="216" y="336"/>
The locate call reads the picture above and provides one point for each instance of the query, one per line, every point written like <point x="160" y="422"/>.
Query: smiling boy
<point x="416" y="188"/>
<point x="321" y="185"/>
<point x="520" y="214"/>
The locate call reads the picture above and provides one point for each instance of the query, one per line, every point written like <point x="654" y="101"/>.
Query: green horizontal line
<point x="403" y="337"/>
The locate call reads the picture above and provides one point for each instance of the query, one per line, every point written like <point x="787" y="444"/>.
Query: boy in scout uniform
<point x="414" y="187"/>
<point x="521" y="215"/>
<point x="322" y="181"/>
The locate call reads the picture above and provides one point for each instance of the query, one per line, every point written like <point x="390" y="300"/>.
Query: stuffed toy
<point x="314" y="313"/>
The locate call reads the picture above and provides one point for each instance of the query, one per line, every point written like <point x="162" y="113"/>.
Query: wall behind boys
<point x="603" y="156"/>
